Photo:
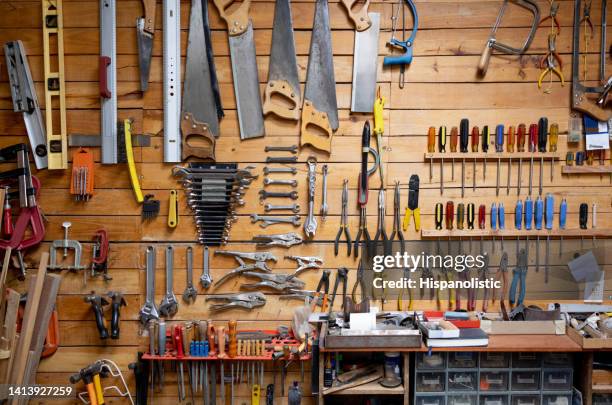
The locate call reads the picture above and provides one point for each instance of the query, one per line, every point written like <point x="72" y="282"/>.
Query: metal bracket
<point x="108" y="81"/>
<point x="25" y="100"/>
<point x="172" y="81"/>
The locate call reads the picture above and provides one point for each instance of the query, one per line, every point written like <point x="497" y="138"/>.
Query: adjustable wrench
<point x="190" y="294"/>
<point x="149" y="310"/>
<point x="268" y="220"/>
<point x="205" y="278"/>
<point x="263" y="194"/>
<point x="310" y="225"/>
<point x="270" y="182"/>
<point x="324" y="206"/>
<point x="292" y="207"/>
<point x="169" y="305"/>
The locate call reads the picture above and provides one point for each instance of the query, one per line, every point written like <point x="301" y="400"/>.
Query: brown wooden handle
<point x="282" y="89"/>
<point x="581" y="103"/>
<point x="360" y="17"/>
<point x="238" y="20"/>
<point x="221" y="341"/>
<point x="197" y="141"/>
<point x="233" y="344"/>
<point x="483" y="64"/>
<point x="149" y="15"/>
<point x="210" y="334"/>
<point x="313" y="119"/>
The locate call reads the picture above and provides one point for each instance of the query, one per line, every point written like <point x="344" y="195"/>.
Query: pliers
<point x="363" y="191"/>
<point x="259" y="259"/>
<point x="519" y="275"/>
<point x="301" y="295"/>
<point x="341" y="277"/>
<point x="413" y="210"/>
<point x="396" y="219"/>
<point x="343" y="222"/>
<point x="427" y="274"/>
<point x="241" y="300"/>
<point x="305" y="263"/>
<point x="554" y="9"/>
<point x="502" y="275"/>
<point x="400" y="296"/>
<point x="586" y="18"/>
<point x="280" y="239"/>
<point x="484" y="274"/>
<point x="359" y="282"/>
<point x="548" y="61"/>
<point x="277" y="281"/>
<point x="381" y="233"/>
<point x="323" y="285"/>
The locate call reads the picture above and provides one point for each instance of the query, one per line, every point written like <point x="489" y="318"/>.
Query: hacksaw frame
<point x="57" y="143"/>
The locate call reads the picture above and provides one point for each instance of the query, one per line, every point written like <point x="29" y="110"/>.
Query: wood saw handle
<point x="283" y="89"/>
<point x="313" y="118"/>
<point x="485" y="56"/>
<point x="360" y="16"/>
<point x="238" y="20"/>
<point x="149" y="15"/>
<point x="583" y="104"/>
<point x="197" y="140"/>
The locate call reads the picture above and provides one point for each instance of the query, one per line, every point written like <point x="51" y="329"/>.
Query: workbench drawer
<point x="494" y="360"/>
<point x="462" y="381"/>
<point x="528" y="380"/>
<point x="429" y="400"/>
<point x="557" y="399"/>
<point x="525" y="399"/>
<point x="494" y="380"/>
<point x="462" y="399"/>
<point x="526" y="360"/>
<point x="433" y="361"/>
<point x="462" y="360"/>
<point x="493" y="399"/>
<point x="430" y="382"/>
<point x="557" y="379"/>
<point x="557" y="360"/>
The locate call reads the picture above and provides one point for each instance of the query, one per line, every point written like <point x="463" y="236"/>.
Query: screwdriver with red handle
<point x="482" y="213"/>
<point x="520" y="147"/>
<point x="450" y="216"/>
<point x="475" y="136"/>
<point x="431" y="148"/>
<point x="533" y="142"/>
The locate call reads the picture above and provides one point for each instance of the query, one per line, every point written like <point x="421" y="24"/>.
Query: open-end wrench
<point x="310" y="225"/>
<point x="278" y="182"/>
<point x="293" y="149"/>
<point x="268" y="170"/>
<point x="149" y="310"/>
<point x="205" y="278"/>
<point x="169" y="304"/>
<point x="291" y="207"/>
<point x="267" y="220"/>
<point x="263" y="194"/>
<point x="281" y="159"/>
<point x="324" y="207"/>
<point x="190" y="294"/>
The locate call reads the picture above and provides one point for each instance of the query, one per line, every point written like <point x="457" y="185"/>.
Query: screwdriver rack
<point x="503" y="156"/>
<point x="565" y="233"/>
<point x="586" y="169"/>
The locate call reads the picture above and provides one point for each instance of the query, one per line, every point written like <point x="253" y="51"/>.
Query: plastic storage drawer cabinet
<point x="557" y="379"/>
<point x="435" y="361"/>
<point x="493" y="399"/>
<point x="430" y="382"/>
<point x="557" y="399"/>
<point x="525" y="399"/>
<point x="462" y="399"/>
<point x="494" y="360"/>
<point x="494" y="380"/>
<point x="462" y="360"/>
<point x="430" y="400"/>
<point x="525" y="380"/>
<point x="462" y="381"/>
<point x="525" y="360"/>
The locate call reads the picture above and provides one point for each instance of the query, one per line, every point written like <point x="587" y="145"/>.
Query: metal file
<point x="108" y="81"/>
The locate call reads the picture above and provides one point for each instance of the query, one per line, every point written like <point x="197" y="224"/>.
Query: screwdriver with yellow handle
<point x="431" y="148"/>
<point x="553" y="139"/>
<point x="379" y="129"/>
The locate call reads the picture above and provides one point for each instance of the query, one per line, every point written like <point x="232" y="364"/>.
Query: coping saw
<point x="172" y="81"/>
<point x="108" y="81"/>
<point x="404" y="44"/>
<point x="53" y="26"/>
<point x="492" y="42"/>
<point x="365" y="59"/>
<point x="25" y="101"/>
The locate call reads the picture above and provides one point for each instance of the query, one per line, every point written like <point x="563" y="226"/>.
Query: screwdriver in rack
<point x="583" y="218"/>
<point x="509" y="149"/>
<point x="475" y="136"/>
<point x="486" y="140"/>
<point x="528" y="220"/>
<point x="439" y="216"/>
<point x="442" y="149"/>
<point x="501" y="211"/>
<point x="549" y="212"/>
<point x="562" y="222"/>
<point x="450" y="216"/>
<point x="431" y="148"/>
<point x="553" y="139"/>
<point x="533" y="142"/>
<point x="493" y="222"/>
<point x="499" y="148"/>
<point x="542" y="140"/>
<point x="539" y="213"/>
<point x="454" y="140"/>
<point x="470" y="220"/>
<point x="481" y="223"/>
<point x="464" y="128"/>
<point x="518" y="221"/>
<point x="460" y="222"/>
<point x="520" y="147"/>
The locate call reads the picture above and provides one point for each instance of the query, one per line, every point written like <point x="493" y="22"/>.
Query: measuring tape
<point x="108" y="81"/>
<point x="53" y="24"/>
<point x="172" y="81"/>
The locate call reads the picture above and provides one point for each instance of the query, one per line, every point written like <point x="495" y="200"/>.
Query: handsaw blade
<point x="320" y="80"/>
<point x="365" y="64"/>
<point x="145" y="52"/>
<point x="246" y="84"/>
<point x="198" y="93"/>
<point x="283" y="62"/>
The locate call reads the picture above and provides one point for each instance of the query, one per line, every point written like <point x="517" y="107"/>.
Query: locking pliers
<point x="306" y="263"/>
<point x="280" y="239"/>
<point x="279" y="282"/>
<point x="243" y="300"/>
<point x="259" y="259"/>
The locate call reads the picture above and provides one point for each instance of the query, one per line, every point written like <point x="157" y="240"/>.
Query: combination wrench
<point x="169" y="305"/>
<point x="280" y="182"/>
<point x="263" y="195"/>
<point x="310" y="225"/>
<point x="149" y="310"/>
<point x="293" y="149"/>
<point x="205" y="278"/>
<point x="267" y="220"/>
<point x="190" y="294"/>
<point x="324" y="206"/>
<point x="291" y="207"/>
<point x="267" y="170"/>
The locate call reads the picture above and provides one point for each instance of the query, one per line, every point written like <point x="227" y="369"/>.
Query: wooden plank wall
<point x="441" y="88"/>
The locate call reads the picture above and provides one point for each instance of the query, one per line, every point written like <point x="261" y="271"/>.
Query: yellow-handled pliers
<point x="413" y="210"/>
<point x="548" y="61"/>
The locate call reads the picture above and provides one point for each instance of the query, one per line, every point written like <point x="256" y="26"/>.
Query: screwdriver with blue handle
<point x="493" y="224"/>
<point x="501" y="212"/>
<point x="528" y="220"/>
<point x="562" y="222"/>
<point x="539" y="214"/>
<point x="549" y="212"/>
<point x="518" y="221"/>
<point x="499" y="148"/>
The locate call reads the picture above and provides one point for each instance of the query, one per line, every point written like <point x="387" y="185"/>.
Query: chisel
<point x="533" y="140"/>
<point x="542" y="140"/>
<point x="549" y="212"/>
<point x="509" y="149"/>
<point x="442" y="149"/>
<point x="454" y="138"/>
<point x="486" y="140"/>
<point x="431" y="148"/>
<point x="464" y="134"/>
<point x="499" y="148"/>
<point x="475" y="136"/>
<point x="449" y="217"/>
<point x="539" y="213"/>
<point x="520" y="147"/>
